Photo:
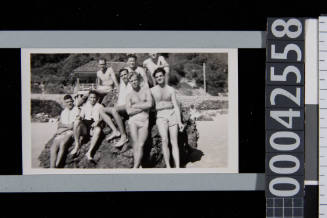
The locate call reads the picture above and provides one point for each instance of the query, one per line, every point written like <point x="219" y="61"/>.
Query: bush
<point x="184" y="89"/>
<point x="204" y="117"/>
<point x="49" y="107"/>
<point x="35" y="89"/>
<point x="174" y="78"/>
<point x="212" y="105"/>
<point x="55" y="88"/>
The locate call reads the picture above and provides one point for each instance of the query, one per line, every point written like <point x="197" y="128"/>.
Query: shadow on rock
<point x="195" y="155"/>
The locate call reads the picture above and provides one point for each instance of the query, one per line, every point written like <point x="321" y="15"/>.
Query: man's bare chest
<point x="138" y="97"/>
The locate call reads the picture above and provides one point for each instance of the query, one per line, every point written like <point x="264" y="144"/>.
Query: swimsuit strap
<point x="131" y="115"/>
<point x="166" y="108"/>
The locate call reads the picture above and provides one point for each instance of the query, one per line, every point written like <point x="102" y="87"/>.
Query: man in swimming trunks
<point x="168" y="116"/>
<point x="64" y="134"/>
<point x="118" y="110"/>
<point x="156" y="61"/>
<point x="132" y="67"/>
<point x="106" y="78"/>
<point x="138" y="103"/>
<point x="88" y="123"/>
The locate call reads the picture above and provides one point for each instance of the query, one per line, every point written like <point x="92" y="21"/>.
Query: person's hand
<point x="181" y="127"/>
<point x="94" y="124"/>
<point x="79" y="101"/>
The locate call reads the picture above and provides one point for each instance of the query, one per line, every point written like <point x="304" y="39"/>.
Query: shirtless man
<point x="64" y="133"/>
<point x="118" y="111"/>
<point x="132" y="67"/>
<point x="138" y="103"/>
<point x="106" y="78"/>
<point x="153" y="62"/>
<point x="88" y="123"/>
<point x="168" y="116"/>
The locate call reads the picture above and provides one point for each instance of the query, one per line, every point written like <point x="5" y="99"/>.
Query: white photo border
<point x="233" y="127"/>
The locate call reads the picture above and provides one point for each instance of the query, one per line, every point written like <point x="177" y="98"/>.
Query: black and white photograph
<point x="129" y="111"/>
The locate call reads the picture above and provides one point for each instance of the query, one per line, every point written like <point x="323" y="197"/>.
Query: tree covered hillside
<point x="56" y="70"/>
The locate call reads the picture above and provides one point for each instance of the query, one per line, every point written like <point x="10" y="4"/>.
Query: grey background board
<point x="132" y="182"/>
<point x="289" y="26"/>
<point x="285" y="161"/>
<point x="132" y="39"/>
<point x="311" y="142"/>
<point x="284" y="96"/>
<point x="285" y="186"/>
<point x="285" y="141"/>
<point x="287" y="69"/>
<point x="297" y="122"/>
<point x="290" y="51"/>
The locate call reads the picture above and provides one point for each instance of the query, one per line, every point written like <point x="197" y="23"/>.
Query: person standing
<point x="168" y="116"/>
<point x="138" y="104"/>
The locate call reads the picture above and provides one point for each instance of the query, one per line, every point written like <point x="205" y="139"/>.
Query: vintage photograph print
<point x="88" y="111"/>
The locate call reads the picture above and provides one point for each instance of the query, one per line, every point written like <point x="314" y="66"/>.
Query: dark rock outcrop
<point x="107" y="156"/>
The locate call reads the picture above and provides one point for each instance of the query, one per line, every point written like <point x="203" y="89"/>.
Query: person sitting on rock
<point x="64" y="134"/>
<point x="138" y="104"/>
<point x="154" y="62"/>
<point x="168" y="116"/>
<point x="132" y="67"/>
<point x="88" y="124"/>
<point x="106" y="78"/>
<point x="118" y="111"/>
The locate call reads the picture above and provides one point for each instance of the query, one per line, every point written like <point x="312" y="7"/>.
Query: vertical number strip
<point x="322" y="116"/>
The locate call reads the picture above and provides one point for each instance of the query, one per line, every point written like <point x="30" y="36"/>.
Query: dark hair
<point x="131" y="56"/>
<point x="123" y="69"/>
<point x="78" y="95"/>
<point x="133" y="73"/>
<point x="93" y="92"/>
<point x="158" y="70"/>
<point x="68" y="97"/>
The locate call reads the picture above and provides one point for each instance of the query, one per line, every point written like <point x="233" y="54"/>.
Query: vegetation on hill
<point x="55" y="70"/>
<point x="49" y="108"/>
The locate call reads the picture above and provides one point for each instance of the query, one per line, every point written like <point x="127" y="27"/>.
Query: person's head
<point x="134" y="80"/>
<point x="153" y="55"/>
<point x="69" y="102"/>
<point x="159" y="75"/>
<point x="131" y="61"/>
<point x="102" y="63"/>
<point x="93" y="97"/>
<point x="123" y="73"/>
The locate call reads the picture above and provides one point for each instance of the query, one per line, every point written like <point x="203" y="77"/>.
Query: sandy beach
<point x="212" y="142"/>
<point x="41" y="134"/>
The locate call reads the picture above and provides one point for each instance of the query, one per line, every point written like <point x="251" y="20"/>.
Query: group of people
<point x="85" y="117"/>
